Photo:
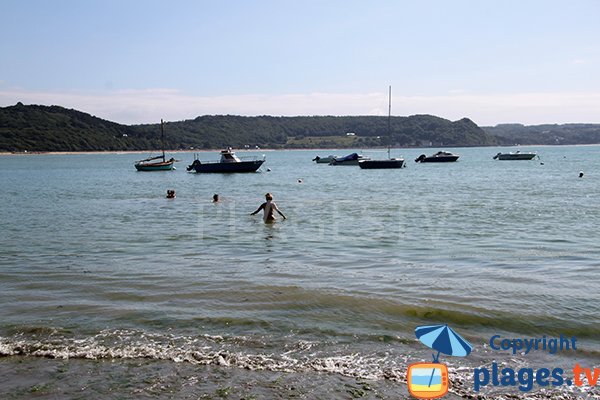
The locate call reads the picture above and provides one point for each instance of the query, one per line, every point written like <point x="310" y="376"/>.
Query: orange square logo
<point x="427" y="380"/>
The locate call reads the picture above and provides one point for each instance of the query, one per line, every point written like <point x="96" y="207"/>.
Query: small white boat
<point x="517" y="155"/>
<point x="152" y="163"/>
<point x="324" y="160"/>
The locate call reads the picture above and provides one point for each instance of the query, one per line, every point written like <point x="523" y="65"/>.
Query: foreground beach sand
<point x="25" y="378"/>
<point x="138" y="378"/>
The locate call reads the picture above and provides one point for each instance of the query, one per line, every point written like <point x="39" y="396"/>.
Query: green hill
<point x="42" y="128"/>
<point x="549" y="134"/>
<point x="54" y="128"/>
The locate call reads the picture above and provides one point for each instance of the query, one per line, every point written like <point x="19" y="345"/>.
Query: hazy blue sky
<point x="528" y="61"/>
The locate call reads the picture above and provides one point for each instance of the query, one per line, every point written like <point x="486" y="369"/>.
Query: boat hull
<point x="216" y="167"/>
<point x="440" y="159"/>
<point x="160" y="166"/>
<point x="381" y="164"/>
<point x="348" y="162"/>
<point x="522" y="156"/>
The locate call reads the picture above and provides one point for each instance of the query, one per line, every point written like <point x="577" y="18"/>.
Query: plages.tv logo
<point x="430" y="380"/>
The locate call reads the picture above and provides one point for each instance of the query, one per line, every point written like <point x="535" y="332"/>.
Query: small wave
<point x="216" y="350"/>
<point x="202" y="350"/>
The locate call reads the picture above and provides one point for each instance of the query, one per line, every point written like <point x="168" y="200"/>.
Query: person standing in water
<point x="269" y="208"/>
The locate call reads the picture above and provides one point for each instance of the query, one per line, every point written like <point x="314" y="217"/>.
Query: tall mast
<point x="390" y="121"/>
<point x="390" y="111"/>
<point x="162" y="139"/>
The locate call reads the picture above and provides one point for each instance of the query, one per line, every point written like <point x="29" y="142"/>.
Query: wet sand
<point x="47" y="378"/>
<point x="25" y="378"/>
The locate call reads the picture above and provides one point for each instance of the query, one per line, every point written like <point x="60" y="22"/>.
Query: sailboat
<point x="153" y="163"/>
<point x="390" y="162"/>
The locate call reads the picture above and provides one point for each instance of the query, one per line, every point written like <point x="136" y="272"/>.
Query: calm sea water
<point x="95" y="262"/>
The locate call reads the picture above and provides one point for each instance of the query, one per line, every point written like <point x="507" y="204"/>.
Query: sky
<point x="137" y="61"/>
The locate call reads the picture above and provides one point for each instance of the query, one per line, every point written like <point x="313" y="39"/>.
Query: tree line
<point x="55" y="128"/>
<point x="548" y="134"/>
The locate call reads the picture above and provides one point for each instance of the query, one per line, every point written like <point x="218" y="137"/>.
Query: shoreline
<point x="29" y="153"/>
<point x="40" y="377"/>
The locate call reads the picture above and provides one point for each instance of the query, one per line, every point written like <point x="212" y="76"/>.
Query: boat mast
<point x="162" y="139"/>
<point x="389" y="122"/>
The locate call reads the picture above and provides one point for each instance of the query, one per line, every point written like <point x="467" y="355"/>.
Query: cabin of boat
<point x="229" y="162"/>
<point x="517" y="155"/>
<point x="440" y="156"/>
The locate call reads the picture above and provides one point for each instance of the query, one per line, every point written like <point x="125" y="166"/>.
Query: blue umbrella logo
<point x="443" y="339"/>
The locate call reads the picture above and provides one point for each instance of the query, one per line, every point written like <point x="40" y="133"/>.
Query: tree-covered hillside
<point x="54" y="128"/>
<point x="42" y="128"/>
<point x="511" y="134"/>
<point x="216" y="131"/>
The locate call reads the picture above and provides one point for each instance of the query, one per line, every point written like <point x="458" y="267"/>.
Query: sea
<point x="110" y="290"/>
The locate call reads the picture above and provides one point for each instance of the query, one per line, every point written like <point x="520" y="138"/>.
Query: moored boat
<point x="153" y="163"/>
<point x="324" y="160"/>
<point x="350" y="159"/>
<point x="381" y="164"/>
<point x="229" y="162"/>
<point x="440" y="156"/>
<point x="390" y="162"/>
<point x="148" y="165"/>
<point x="517" y="155"/>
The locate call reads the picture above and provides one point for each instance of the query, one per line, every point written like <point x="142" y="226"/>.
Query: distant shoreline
<point x="167" y="152"/>
<point x="28" y="153"/>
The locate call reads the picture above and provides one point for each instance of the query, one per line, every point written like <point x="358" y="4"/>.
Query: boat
<point x="440" y="156"/>
<point x="517" y="155"/>
<point x="382" y="164"/>
<point x="390" y="162"/>
<point x="153" y="163"/>
<point x="324" y="160"/>
<point x="229" y="162"/>
<point x="350" y="159"/>
<point x="148" y="165"/>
